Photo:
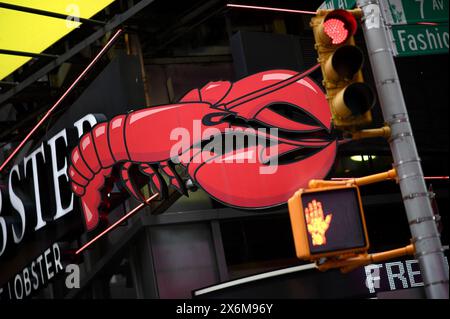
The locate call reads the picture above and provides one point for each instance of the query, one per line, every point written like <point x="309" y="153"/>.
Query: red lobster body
<point x="145" y="138"/>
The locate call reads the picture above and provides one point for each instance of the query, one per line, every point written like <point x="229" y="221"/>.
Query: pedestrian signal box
<point x="328" y="222"/>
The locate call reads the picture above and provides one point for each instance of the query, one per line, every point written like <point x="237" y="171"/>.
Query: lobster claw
<point x="261" y="175"/>
<point x="212" y="93"/>
<point x="242" y="179"/>
<point x="270" y="98"/>
<point x="283" y="99"/>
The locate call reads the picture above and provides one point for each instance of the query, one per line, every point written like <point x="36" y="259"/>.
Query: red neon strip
<point x="107" y="230"/>
<point x="428" y="23"/>
<point x="97" y="57"/>
<point x="426" y="177"/>
<point x="270" y="9"/>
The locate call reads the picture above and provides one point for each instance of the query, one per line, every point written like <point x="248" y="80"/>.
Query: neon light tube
<point x="124" y="217"/>
<point x="45" y="117"/>
<point x="270" y="9"/>
<point x="426" y="177"/>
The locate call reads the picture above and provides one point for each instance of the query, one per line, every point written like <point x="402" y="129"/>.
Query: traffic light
<point x="350" y="99"/>
<point x="328" y="222"/>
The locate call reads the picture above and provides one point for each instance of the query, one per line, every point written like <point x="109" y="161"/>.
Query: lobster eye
<point x="214" y="118"/>
<point x="288" y="117"/>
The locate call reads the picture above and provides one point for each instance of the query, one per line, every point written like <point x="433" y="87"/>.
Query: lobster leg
<point x="156" y="180"/>
<point x="174" y="179"/>
<point x="129" y="184"/>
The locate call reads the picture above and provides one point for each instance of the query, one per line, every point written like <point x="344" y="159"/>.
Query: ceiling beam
<point x="29" y="54"/>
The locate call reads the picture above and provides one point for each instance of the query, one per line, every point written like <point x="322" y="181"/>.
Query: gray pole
<point x="425" y="236"/>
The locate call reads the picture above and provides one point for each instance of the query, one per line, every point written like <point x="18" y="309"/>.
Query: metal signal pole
<point x="416" y="198"/>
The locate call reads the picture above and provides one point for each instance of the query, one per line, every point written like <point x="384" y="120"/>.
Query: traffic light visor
<point x="359" y="98"/>
<point x="346" y="61"/>
<point x="339" y="25"/>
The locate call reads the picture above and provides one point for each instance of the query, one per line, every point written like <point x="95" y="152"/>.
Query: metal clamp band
<point x="406" y="161"/>
<point x="423" y="219"/>
<point x="437" y="251"/>
<point x="406" y="176"/>
<point x="436" y="283"/>
<point x="380" y="50"/>
<point x="416" y="239"/>
<point x="397" y="120"/>
<point x="415" y="195"/>
<point x="396" y="136"/>
<point x="388" y="81"/>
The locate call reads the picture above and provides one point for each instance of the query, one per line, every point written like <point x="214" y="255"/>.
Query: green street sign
<point x="339" y="4"/>
<point x="412" y="40"/>
<point x="414" y="11"/>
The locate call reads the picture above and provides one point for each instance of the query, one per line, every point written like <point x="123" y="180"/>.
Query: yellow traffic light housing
<point x="328" y="222"/>
<point x="349" y="98"/>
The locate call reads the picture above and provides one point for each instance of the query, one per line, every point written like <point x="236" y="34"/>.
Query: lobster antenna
<point x="269" y="89"/>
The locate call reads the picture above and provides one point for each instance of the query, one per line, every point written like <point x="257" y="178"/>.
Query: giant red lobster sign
<point x="303" y="146"/>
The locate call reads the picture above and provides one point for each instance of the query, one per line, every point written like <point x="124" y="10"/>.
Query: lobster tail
<point x="92" y="162"/>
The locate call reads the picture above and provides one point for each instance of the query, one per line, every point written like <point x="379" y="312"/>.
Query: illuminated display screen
<point x="333" y="220"/>
<point x="26" y="32"/>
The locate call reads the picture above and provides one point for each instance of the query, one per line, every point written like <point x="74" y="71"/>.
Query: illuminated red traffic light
<point x="336" y="30"/>
<point x="349" y="98"/>
<point x="339" y="25"/>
